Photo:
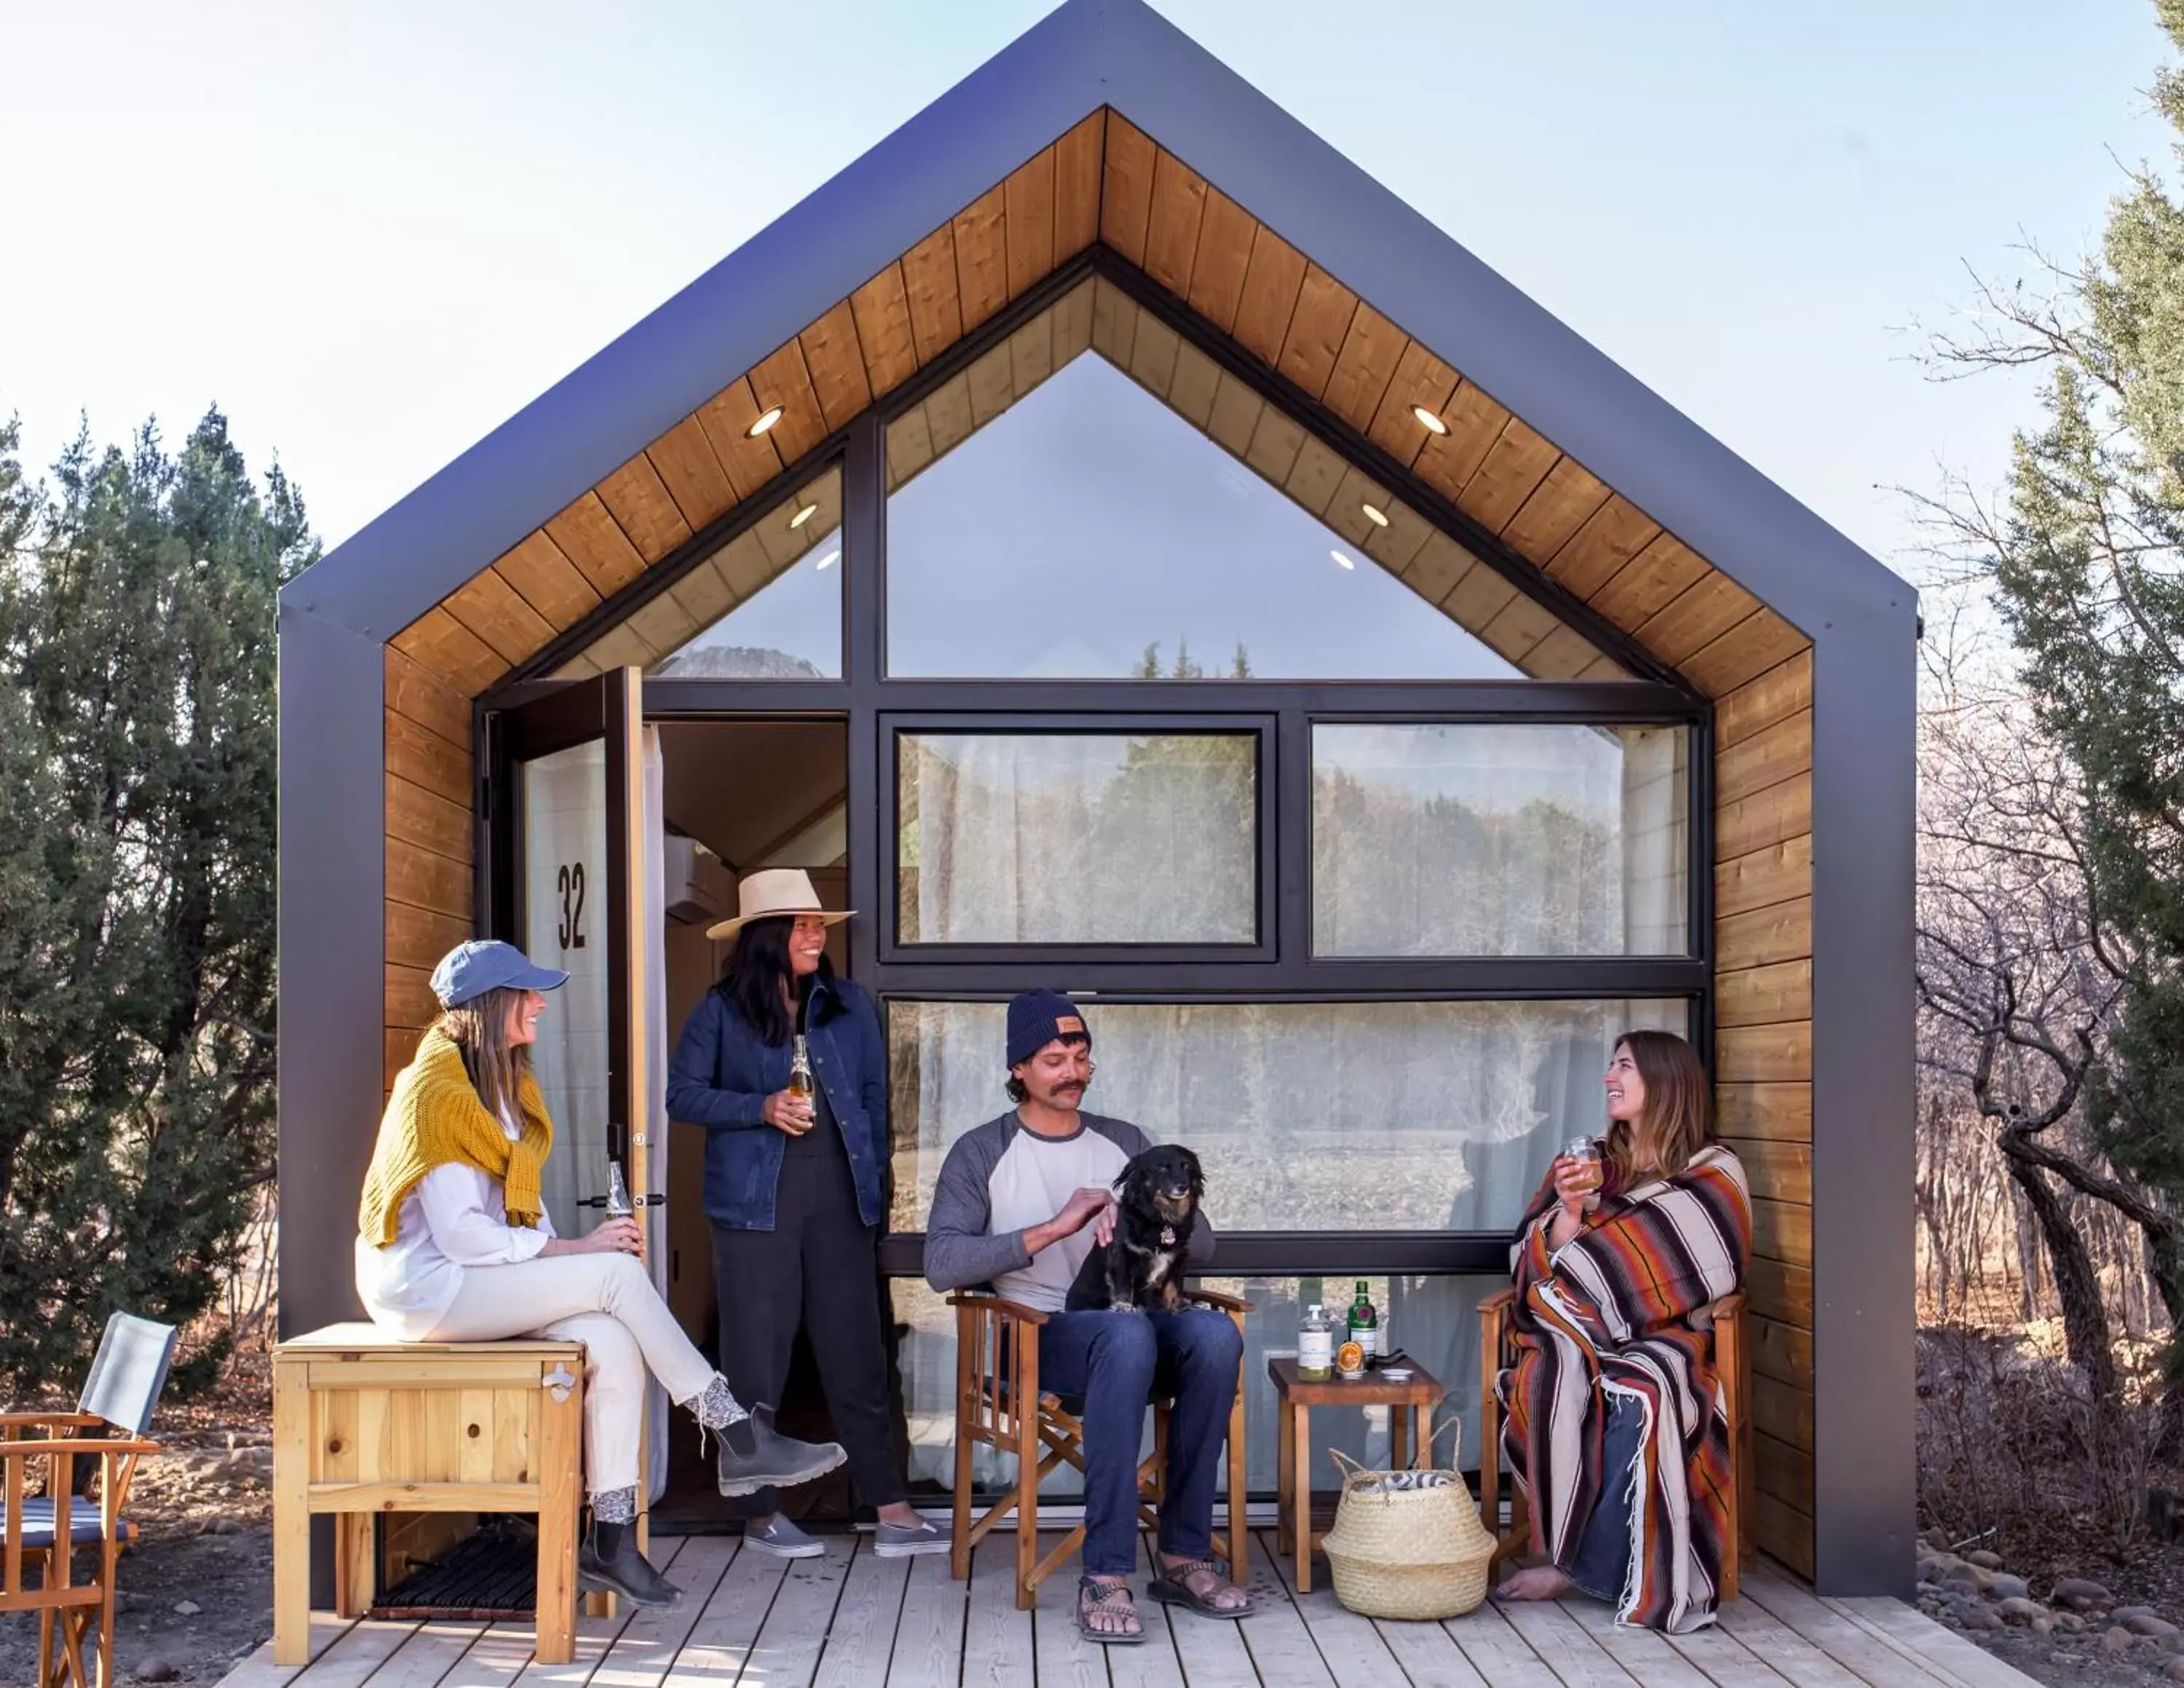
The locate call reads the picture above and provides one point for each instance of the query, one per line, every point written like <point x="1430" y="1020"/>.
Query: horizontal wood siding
<point x="1762" y="1060"/>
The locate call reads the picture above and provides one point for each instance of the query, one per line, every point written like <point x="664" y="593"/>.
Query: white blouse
<point x="454" y="1217"/>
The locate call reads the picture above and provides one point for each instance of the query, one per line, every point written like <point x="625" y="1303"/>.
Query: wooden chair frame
<point x="1732" y="1359"/>
<point x="66" y="1609"/>
<point x="996" y="1371"/>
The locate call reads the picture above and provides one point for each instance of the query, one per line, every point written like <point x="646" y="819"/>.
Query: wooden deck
<point x="851" y="1620"/>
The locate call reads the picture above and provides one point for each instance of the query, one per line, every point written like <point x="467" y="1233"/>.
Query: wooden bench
<point x="363" y="1425"/>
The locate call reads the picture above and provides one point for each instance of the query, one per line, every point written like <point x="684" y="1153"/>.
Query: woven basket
<point x="1416" y="1553"/>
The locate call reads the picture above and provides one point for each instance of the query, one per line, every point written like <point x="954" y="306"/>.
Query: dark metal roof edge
<point x="627" y="394"/>
<point x="1088" y="53"/>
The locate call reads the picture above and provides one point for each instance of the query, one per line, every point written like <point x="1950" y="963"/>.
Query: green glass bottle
<point x="1365" y="1323"/>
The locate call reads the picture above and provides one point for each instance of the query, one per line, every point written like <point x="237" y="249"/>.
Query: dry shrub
<point x="2013" y="1446"/>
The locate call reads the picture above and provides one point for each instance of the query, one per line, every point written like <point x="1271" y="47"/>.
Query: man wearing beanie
<point x="1021" y="1202"/>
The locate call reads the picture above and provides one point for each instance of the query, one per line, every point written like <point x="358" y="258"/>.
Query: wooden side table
<point x="363" y="1424"/>
<point x="1410" y="1430"/>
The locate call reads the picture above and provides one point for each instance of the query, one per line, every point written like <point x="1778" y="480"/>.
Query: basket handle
<point x="1351" y="1467"/>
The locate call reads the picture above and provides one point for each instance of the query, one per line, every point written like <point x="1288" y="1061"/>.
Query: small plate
<point x="1397" y="1374"/>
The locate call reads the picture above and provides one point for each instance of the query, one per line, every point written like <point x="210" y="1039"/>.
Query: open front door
<point x="565" y="879"/>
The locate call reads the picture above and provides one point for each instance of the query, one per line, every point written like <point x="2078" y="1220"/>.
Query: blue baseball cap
<point x="470" y="970"/>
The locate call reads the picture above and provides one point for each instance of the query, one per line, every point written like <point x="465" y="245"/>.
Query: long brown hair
<point x="1678" y="1116"/>
<point x="497" y="1067"/>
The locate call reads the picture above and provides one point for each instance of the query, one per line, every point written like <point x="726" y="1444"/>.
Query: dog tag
<point x="1167" y="1236"/>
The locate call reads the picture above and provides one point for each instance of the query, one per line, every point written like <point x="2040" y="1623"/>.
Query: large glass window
<point x="1068" y="837"/>
<point x="767" y="605"/>
<point x="1094" y="500"/>
<point x="1307" y="1117"/>
<point x="1502" y="839"/>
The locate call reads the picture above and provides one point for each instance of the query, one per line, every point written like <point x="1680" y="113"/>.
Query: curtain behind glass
<point x="1079" y="838"/>
<point x="1308" y="1116"/>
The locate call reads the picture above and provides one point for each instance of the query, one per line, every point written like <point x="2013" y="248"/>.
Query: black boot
<point x="610" y="1563"/>
<point x="755" y="1456"/>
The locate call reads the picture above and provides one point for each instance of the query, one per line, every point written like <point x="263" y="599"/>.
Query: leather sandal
<point x="1172" y="1587"/>
<point x="1095" y="1596"/>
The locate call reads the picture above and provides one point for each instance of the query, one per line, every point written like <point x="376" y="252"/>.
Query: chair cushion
<point x="84" y="1524"/>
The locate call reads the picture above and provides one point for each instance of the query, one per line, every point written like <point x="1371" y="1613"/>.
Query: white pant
<point x="607" y="1302"/>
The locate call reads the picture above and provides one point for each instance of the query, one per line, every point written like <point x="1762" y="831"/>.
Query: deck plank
<point x="430" y="1652"/>
<point x="1766" y="1637"/>
<point x="1213" y="1652"/>
<point x="1157" y="1664"/>
<point x="928" y="1634"/>
<point x="1879" y="1662"/>
<point x="1353" y="1650"/>
<point x="1504" y="1657"/>
<point x="646" y="1650"/>
<point x="720" y="1642"/>
<point x="1062" y="1658"/>
<point x="259" y="1671"/>
<point x="788" y="1644"/>
<point x="1707" y="1658"/>
<point x="1429" y="1655"/>
<point x="496" y="1659"/>
<point x="357" y="1655"/>
<point x="1561" y="1641"/>
<point x="1953" y="1660"/>
<point x="997" y="1645"/>
<point x="1280" y="1641"/>
<point x="861" y="1640"/>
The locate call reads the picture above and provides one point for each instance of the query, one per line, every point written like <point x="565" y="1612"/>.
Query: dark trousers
<point x="1601" y="1564"/>
<point x="819" y="1268"/>
<point x="1118" y="1363"/>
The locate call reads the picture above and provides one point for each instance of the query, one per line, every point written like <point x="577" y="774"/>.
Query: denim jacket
<point x="721" y="1074"/>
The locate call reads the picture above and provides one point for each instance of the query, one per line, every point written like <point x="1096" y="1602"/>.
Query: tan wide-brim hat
<point x="775" y="890"/>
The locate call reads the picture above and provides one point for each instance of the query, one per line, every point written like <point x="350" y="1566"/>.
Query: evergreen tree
<point x="137" y="880"/>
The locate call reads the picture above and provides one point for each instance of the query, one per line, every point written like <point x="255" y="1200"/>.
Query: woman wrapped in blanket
<point x="1612" y="1427"/>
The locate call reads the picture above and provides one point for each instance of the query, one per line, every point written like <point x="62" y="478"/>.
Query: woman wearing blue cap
<point x="453" y="1244"/>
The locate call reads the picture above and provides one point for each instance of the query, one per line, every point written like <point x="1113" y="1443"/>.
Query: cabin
<point x="1112" y="543"/>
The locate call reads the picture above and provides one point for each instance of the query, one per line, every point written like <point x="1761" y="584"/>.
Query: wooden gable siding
<point x="1106" y="180"/>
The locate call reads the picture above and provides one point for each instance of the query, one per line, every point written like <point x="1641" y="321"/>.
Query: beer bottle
<point x="1365" y="1323"/>
<point x="800" y="1071"/>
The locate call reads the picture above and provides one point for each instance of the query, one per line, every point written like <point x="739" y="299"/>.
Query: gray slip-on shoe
<point x="755" y="1456"/>
<point x="902" y="1541"/>
<point x="782" y="1539"/>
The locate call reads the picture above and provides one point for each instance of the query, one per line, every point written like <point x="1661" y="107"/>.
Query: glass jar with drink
<point x="1586" y="1174"/>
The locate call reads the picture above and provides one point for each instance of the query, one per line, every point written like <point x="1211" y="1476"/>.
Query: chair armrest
<point x="1014" y="1310"/>
<point x="45" y="1447"/>
<point x="83" y="1421"/>
<point x="1214" y="1298"/>
<point x="1730" y="1306"/>
<point x="1498" y="1303"/>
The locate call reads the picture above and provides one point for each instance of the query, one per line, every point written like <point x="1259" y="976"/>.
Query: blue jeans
<point x="1601" y="1564"/>
<point x="1117" y="1362"/>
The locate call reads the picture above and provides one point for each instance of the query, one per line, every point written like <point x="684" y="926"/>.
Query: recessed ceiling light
<point x="1433" y="422"/>
<point x="767" y="418"/>
<point x="803" y="516"/>
<point x="1374" y="515"/>
<point x="829" y="560"/>
<point x="1341" y="559"/>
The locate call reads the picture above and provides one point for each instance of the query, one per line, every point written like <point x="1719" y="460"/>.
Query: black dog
<point x="1159" y="1192"/>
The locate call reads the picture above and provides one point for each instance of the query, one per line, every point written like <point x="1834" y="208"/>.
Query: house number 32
<point x="569" y="881"/>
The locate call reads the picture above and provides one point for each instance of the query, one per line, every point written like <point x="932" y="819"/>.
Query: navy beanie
<point x="1037" y="1018"/>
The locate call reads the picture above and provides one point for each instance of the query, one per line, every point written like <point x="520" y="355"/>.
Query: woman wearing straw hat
<point x="793" y="1186"/>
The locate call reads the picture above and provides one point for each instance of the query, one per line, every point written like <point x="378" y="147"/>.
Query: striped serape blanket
<point x="1618" y="1310"/>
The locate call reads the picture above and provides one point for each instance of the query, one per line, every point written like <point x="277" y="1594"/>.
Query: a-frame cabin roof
<point x="1103" y="124"/>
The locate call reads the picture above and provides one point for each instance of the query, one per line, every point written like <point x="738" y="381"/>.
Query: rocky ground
<point x="2066" y="1630"/>
<point x="196" y="1591"/>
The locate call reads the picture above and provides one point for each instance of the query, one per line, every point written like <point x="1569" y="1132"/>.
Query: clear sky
<point x="370" y="232"/>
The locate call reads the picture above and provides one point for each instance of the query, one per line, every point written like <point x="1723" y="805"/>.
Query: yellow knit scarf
<point x="436" y="1116"/>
